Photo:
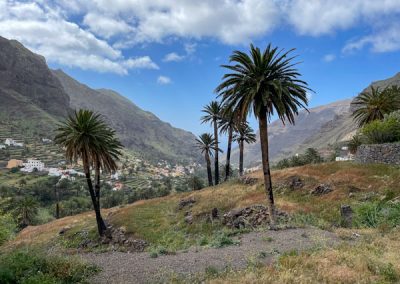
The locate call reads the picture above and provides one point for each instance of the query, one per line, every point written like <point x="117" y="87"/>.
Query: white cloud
<point x="163" y="80"/>
<point x="384" y="40"/>
<point x="190" y="48"/>
<point x="173" y="56"/>
<point x="105" y="26"/>
<point x="45" y="31"/>
<point x="329" y="57"/>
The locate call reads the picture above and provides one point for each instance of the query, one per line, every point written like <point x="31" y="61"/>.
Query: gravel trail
<point x="119" y="267"/>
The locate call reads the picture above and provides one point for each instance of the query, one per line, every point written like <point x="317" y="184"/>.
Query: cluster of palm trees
<point x="262" y="83"/>
<point x="224" y="121"/>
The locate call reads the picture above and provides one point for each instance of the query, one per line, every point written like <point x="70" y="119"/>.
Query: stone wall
<point x="379" y="153"/>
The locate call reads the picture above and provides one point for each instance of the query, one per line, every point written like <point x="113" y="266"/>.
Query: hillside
<point x="162" y="224"/>
<point x="138" y="130"/>
<point x="35" y="98"/>
<point x="322" y="126"/>
<point x="317" y="128"/>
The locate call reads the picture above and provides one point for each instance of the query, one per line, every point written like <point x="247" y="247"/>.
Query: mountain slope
<point x="323" y="125"/>
<point x="28" y="90"/>
<point x="138" y="130"/>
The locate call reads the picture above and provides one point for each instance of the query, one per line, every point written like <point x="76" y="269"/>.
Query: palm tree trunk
<point x="241" y="149"/>
<point x="228" y="154"/>
<point x="57" y="202"/>
<point x="101" y="226"/>
<point x="209" y="173"/>
<point x="263" y="125"/>
<point x="216" y="163"/>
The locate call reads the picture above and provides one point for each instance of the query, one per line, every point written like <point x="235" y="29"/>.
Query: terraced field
<point x="49" y="153"/>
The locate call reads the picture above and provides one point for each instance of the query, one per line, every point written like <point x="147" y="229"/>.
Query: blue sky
<point x="165" y="55"/>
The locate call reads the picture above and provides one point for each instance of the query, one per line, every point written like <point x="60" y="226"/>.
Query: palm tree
<point x="227" y="124"/>
<point x="26" y="209"/>
<point x="244" y="134"/>
<point x="213" y="115"/>
<point x="85" y="136"/>
<point x="374" y="104"/>
<point x="264" y="83"/>
<point x="206" y="143"/>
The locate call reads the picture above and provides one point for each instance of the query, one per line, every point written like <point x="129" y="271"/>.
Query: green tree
<point x="85" y="136"/>
<point x="26" y="210"/>
<point x="227" y="125"/>
<point x="264" y="83"/>
<point x="206" y="143"/>
<point x="374" y="104"/>
<point x="213" y="115"/>
<point x="245" y="134"/>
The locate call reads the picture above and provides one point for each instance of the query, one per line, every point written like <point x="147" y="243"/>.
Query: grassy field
<point x="371" y="190"/>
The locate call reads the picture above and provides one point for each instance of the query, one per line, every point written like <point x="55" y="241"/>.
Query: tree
<point x="85" y="136"/>
<point x="26" y="210"/>
<point x="227" y="124"/>
<point x="374" y="104"/>
<point x="245" y="134"/>
<point x="213" y="115"/>
<point x="264" y="83"/>
<point x="206" y="143"/>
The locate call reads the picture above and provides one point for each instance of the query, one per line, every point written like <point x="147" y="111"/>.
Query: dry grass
<point x="372" y="260"/>
<point x="159" y="221"/>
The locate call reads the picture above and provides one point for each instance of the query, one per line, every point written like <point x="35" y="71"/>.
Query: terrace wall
<point x="379" y="154"/>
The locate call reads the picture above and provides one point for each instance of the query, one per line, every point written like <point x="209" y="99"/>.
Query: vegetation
<point x="263" y="83"/>
<point x="310" y="156"/>
<point x="245" y="134"/>
<point x="86" y="137"/>
<point x="227" y="125"/>
<point x="213" y="115"/>
<point x="206" y="143"/>
<point x="374" y="104"/>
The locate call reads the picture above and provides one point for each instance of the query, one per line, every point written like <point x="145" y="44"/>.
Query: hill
<point x="34" y="98"/>
<point x="160" y="222"/>
<point x="138" y="130"/>
<point x="317" y="128"/>
<point x="322" y="126"/>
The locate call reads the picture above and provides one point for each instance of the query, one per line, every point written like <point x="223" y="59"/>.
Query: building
<point x="2" y="146"/>
<point x="11" y="142"/>
<point x="46" y="140"/>
<point x="13" y="163"/>
<point x="33" y="164"/>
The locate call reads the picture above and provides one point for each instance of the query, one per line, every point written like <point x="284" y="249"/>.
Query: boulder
<point x="186" y="202"/>
<point x="346" y="212"/>
<point x="321" y="189"/>
<point x="189" y="219"/>
<point x="248" y="180"/>
<point x="64" y="230"/>
<point x="294" y="182"/>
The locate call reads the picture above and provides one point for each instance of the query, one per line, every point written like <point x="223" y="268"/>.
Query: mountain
<point x="28" y="89"/>
<point x="317" y="128"/>
<point x="35" y="97"/>
<point x="322" y="126"/>
<point x="138" y="130"/>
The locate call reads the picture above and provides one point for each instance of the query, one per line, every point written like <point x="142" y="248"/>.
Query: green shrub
<point x="222" y="239"/>
<point x="382" y="131"/>
<point x="375" y="214"/>
<point x="33" y="266"/>
<point x="8" y="227"/>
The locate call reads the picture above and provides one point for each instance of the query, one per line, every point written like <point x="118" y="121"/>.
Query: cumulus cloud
<point x="173" y="56"/>
<point x="329" y="57"/>
<point x="384" y="40"/>
<point x="164" y="80"/>
<point x="45" y="31"/>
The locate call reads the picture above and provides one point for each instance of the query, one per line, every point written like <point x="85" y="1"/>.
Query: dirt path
<point x="118" y="267"/>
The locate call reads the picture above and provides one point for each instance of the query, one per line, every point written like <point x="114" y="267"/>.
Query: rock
<point x="248" y="180"/>
<point x="321" y="189"/>
<point x="189" y="219"/>
<point x="64" y="230"/>
<point x="294" y="182"/>
<point x="186" y="202"/>
<point x="347" y="215"/>
<point x="252" y="216"/>
<point x="215" y="213"/>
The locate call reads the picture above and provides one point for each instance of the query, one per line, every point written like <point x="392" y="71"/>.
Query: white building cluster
<point x="12" y="142"/>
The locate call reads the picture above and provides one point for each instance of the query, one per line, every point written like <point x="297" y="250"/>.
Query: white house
<point x="46" y="140"/>
<point x="54" y="172"/>
<point x="11" y="142"/>
<point x="33" y="164"/>
<point x="2" y="146"/>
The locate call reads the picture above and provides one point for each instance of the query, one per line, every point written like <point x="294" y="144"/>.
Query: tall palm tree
<point x="374" y="104"/>
<point x="227" y="125"/>
<point x="206" y="143"/>
<point x="85" y="136"/>
<point x="245" y="134"/>
<point x="26" y="209"/>
<point x="264" y="83"/>
<point x="213" y="115"/>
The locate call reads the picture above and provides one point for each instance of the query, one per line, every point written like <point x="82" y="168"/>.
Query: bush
<point x="310" y="156"/>
<point x="7" y="228"/>
<point x="382" y="131"/>
<point x="32" y="266"/>
<point x="375" y="214"/>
